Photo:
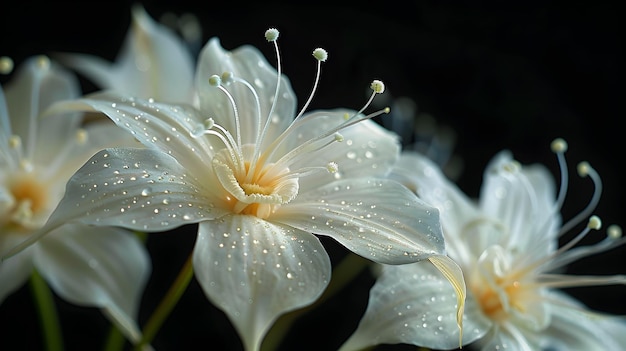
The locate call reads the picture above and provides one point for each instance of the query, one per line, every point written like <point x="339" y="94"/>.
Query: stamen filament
<point x="236" y="112"/>
<point x="317" y="78"/>
<point x="228" y="141"/>
<point x="585" y="170"/>
<point x="572" y="281"/>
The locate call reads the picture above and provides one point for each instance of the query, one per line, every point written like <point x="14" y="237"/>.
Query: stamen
<point x="332" y="167"/>
<point x="216" y="81"/>
<point x="378" y="87"/>
<point x="559" y="147"/>
<point x="208" y="127"/>
<point x="6" y="65"/>
<point x="321" y="55"/>
<point x="594" y="224"/>
<point x="614" y="231"/>
<point x="272" y="34"/>
<point x="584" y="169"/>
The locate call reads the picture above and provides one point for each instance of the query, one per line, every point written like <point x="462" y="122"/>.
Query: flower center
<point x="259" y="191"/>
<point x="29" y="197"/>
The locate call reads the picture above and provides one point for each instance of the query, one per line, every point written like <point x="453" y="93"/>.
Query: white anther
<point x="15" y="141"/>
<point x="338" y="137"/>
<point x="208" y="123"/>
<point x="43" y="62"/>
<point x="378" y="86"/>
<point x="332" y="167"/>
<point x="558" y="145"/>
<point x="512" y="167"/>
<point x="81" y="136"/>
<point x="614" y="231"/>
<point x="215" y="80"/>
<point x="320" y="54"/>
<point x="594" y="223"/>
<point x="386" y="110"/>
<point x="346" y="116"/>
<point x="583" y="169"/>
<point x="6" y="65"/>
<point x="271" y="34"/>
<point x="227" y="77"/>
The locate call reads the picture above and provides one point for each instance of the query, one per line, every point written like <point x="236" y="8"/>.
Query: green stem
<point x="343" y="273"/>
<point x="48" y="317"/>
<point x="115" y="340"/>
<point x="167" y="304"/>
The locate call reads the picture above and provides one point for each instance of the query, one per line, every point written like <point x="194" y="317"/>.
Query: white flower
<point x="97" y="267"/>
<point x="258" y="182"/>
<point x="154" y="63"/>
<point x="507" y="246"/>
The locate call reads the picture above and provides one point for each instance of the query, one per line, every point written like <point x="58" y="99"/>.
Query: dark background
<point x="500" y="76"/>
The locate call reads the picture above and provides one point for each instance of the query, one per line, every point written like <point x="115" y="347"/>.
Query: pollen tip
<point x="594" y="223"/>
<point x="320" y="54"/>
<point x="386" y="110"/>
<point x="43" y="62"/>
<point x="6" y="65"/>
<point x="81" y="136"/>
<point x="338" y="137"/>
<point x="614" y="231"/>
<point x="15" y="141"/>
<point x="346" y="116"/>
<point x="215" y="80"/>
<point x="227" y="77"/>
<point x="558" y="145"/>
<point x="332" y="167"/>
<point x="271" y="34"/>
<point x="378" y="86"/>
<point x="583" y="169"/>
<point x="208" y="123"/>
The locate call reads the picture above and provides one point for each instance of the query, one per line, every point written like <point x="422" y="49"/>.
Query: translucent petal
<point x="165" y="127"/>
<point x="14" y="272"/>
<point x="415" y="304"/>
<point x="424" y="177"/>
<point x="247" y="63"/>
<point x="97" y="267"/>
<point x="153" y="63"/>
<point x="255" y="271"/>
<point x="378" y="219"/>
<point x="523" y="200"/>
<point x="366" y="150"/>
<point x="572" y="328"/>
<point x="36" y="85"/>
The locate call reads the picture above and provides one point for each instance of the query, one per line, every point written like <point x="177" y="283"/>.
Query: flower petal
<point x="165" y="127"/>
<point x="255" y="271"/>
<point x="378" y="219"/>
<point x="97" y="267"/>
<point x="367" y="149"/>
<point x="415" y="304"/>
<point x="524" y="201"/>
<point x="427" y="180"/>
<point x="15" y="271"/>
<point x="153" y="63"/>
<point x="248" y="63"/>
<point x="36" y="85"/>
<point x="572" y="328"/>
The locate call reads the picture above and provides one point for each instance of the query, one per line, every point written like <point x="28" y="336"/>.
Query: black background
<point x="500" y="76"/>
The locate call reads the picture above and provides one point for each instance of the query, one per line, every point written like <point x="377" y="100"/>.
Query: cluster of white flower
<point x="222" y="146"/>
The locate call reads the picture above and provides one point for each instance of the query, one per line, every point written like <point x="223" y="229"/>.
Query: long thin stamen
<point x="43" y="63"/>
<point x="271" y="35"/>
<point x="559" y="146"/>
<point x="594" y="224"/>
<point x="226" y="138"/>
<point x="321" y="55"/>
<point x="584" y="169"/>
<point x="310" y="145"/>
<point x="216" y="81"/>
<point x="378" y="88"/>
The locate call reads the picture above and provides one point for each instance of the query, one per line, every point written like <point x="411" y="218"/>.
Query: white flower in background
<point x="507" y="246"/>
<point x="100" y="267"/>
<point x="259" y="182"/>
<point x="153" y="63"/>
